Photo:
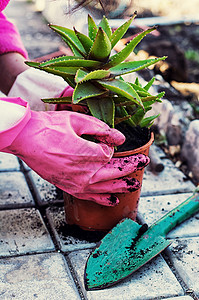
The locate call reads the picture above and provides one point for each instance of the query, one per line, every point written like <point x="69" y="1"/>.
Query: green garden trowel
<point x="128" y="246"/>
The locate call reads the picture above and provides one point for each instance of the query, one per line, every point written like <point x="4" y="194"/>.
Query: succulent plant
<point x="96" y="74"/>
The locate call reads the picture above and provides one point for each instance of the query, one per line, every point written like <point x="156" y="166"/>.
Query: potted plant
<point x="99" y="88"/>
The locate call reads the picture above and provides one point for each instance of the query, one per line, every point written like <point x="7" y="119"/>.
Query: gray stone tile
<point x="8" y="162"/>
<point x="42" y="276"/>
<point x="23" y="231"/>
<point x="64" y="236"/>
<point x="170" y="181"/>
<point x="153" y="208"/>
<point x="46" y="192"/>
<point x="150" y="282"/>
<point x="184" y="254"/>
<point x="14" y="191"/>
<point x="180" y="298"/>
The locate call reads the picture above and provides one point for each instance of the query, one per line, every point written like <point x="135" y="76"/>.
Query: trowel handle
<point x="179" y="214"/>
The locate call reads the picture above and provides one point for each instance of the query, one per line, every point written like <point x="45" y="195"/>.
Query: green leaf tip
<point x="69" y="36"/>
<point x="92" y="28"/>
<point x="120" y="32"/>
<point x="101" y="48"/>
<point x="104" y="24"/>
<point x="84" y="40"/>
<point x="33" y="64"/>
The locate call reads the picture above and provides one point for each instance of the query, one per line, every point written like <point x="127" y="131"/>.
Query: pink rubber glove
<point x="51" y="144"/>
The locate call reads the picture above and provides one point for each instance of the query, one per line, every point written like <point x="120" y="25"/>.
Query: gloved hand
<point x="51" y="143"/>
<point x="32" y="85"/>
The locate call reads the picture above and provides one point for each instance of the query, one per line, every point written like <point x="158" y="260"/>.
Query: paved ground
<point x="39" y="260"/>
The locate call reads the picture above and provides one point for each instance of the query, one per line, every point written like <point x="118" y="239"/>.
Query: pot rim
<point x="137" y="150"/>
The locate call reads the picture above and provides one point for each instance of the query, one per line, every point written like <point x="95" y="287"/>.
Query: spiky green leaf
<point x="101" y="48"/>
<point x="85" y="40"/>
<point x="61" y="71"/>
<point x="149" y="99"/>
<point x="159" y="96"/>
<point x="92" y="28"/>
<point x="70" y="61"/>
<point x="105" y="26"/>
<point x="103" y="109"/>
<point x="63" y="61"/>
<point x="137" y="82"/>
<point x="139" y="115"/>
<point x="73" y="49"/>
<point x="123" y="54"/>
<point x="148" y="122"/>
<point x="86" y="90"/>
<point x="70" y="79"/>
<point x="33" y="64"/>
<point x="62" y="100"/>
<point x="70" y="38"/>
<point x="123" y="101"/>
<point x="122" y="88"/>
<point x="123" y="115"/>
<point x="119" y="32"/>
<point x="82" y="75"/>
<point x="149" y="84"/>
<point x="140" y="90"/>
<point x="133" y="66"/>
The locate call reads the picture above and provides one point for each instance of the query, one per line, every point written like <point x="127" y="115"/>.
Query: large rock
<point x="190" y="149"/>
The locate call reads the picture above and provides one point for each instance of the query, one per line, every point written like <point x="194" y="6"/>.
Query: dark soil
<point x="66" y="230"/>
<point x="135" y="137"/>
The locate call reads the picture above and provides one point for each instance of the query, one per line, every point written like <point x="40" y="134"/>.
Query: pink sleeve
<point x="3" y="4"/>
<point x="10" y="40"/>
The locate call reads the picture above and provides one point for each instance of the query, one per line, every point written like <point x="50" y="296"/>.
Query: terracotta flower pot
<point x="92" y="216"/>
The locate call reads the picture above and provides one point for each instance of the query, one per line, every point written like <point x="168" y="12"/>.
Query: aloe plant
<point x="96" y="74"/>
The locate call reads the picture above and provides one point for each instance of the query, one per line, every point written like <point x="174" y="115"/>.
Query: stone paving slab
<point x="14" y="191"/>
<point x="153" y="208"/>
<point x="46" y="192"/>
<point x="152" y="281"/>
<point x="8" y="162"/>
<point x="65" y="240"/>
<point x="23" y="231"/>
<point x="184" y="254"/>
<point x="180" y="298"/>
<point x="41" y="276"/>
<point x="170" y="181"/>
